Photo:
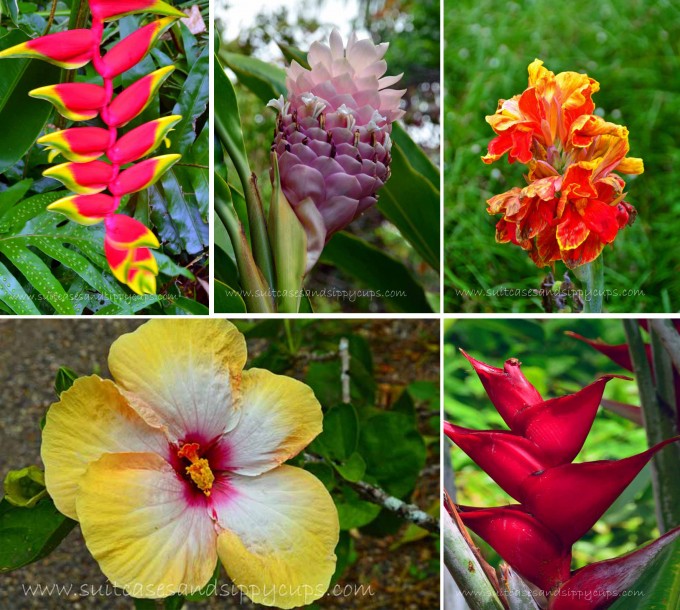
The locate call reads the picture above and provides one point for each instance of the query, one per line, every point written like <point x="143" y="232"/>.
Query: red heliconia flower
<point x="82" y="178"/>
<point x="74" y="101"/>
<point x="85" y="209"/>
<point x="569" y="499"/>
<point x="142" y="140"/>
<point x="133" y="100"/>
<point x="127" y="241"/>
<point x="78" y="144"/>
<point x="523" y="542"/>
<point x="142" y="175"/>
<point x="108" y="10"/>
<point x="559" y="501"/>
<point x="71" y="49"/>
<point x="131" y="50"/>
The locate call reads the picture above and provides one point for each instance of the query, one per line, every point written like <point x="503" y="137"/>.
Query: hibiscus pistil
<point x="199" y="469"/>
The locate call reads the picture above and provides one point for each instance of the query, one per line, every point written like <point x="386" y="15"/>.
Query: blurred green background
<point x="556" y="364"/>
<point x="632" y="47"/>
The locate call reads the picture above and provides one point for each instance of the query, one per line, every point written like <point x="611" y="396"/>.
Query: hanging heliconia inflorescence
<point x="127" y="241"/>
<point x="559" y="500"/>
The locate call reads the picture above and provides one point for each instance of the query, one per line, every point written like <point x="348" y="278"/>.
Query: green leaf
<point x="26" y="116"/>
<point x="227" y="300"/>
<point x="289" y="247"/>
<point x="25" y="487"/>
<point x="192" y="231"/>
<point x="13" y="194"/>
<point x="64" y="379"/>
<point x="416" y="155"/>
<point x="192" y="102"/>
<point x="340" y="435"/>
<point x="390" y="279"/>
<point x="411" y="202"/>
<point x="191" y="307"/>
<point x="29" y="534"/>
<point x="263" y="79"/>
<point x="353" y="512"/>
<point x="393" y="450"/>
<point x="352" y="469"/>
<point x="38" y="274"/>
<point x="293" y="54"/>
<point x="13" y="294"/>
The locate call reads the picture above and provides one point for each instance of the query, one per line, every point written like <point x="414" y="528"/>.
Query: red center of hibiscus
<point x="199" y="468"/>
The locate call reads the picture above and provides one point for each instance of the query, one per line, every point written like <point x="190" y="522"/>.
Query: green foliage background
<point x="556" y="364"/>
<point x="632" y="47"/>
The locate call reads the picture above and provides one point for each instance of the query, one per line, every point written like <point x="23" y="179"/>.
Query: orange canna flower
<point x="573" y="204"/>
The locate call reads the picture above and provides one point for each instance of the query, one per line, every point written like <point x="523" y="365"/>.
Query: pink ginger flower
<point x="333" y="135"/>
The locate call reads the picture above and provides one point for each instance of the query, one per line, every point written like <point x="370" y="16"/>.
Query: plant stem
<point x="408" y="512"/>
<point x="466" y="570"/>
<point x="258" y="227"/>
<point x="256" y="292"/>
<point x="592" y="275"/>
<point x="658" y="411"/>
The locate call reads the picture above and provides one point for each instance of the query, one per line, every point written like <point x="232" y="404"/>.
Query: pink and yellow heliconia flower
<point x="71" y="49"/>
<point x="142" y="175"/>
<point x="78" y="144"/>
<point x="133" y="100"/>
<point x="179" y="462"/>
<point x="126" y="233"/>
<point x="126" y="246"/>
<point x="74" y="101"/>
<point x="85" y="209"/>
<point x="108" y="10"/>
<point x="82" y="178"/>
<point x="142" y="140"/>
<point x="132" y="49"/>
<point x="137" y="268"/>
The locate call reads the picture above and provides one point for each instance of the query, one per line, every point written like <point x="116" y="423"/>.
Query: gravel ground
<point x="31" y="351"/>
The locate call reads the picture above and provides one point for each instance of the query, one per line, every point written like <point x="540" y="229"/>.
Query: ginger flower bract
<point x="332" y="135"/>
<point x="573" y="204"/>
<point x="179" y="461"/>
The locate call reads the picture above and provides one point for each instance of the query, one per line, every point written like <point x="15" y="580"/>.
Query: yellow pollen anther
<point x="201" y="474"/>
<point x="199" y="471"/>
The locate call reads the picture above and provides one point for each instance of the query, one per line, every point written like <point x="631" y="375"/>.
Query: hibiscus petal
<point x="186" y="375"/>
<point x="90" y="419"/>
<point x="139" y="523"/>
<point x="279" y="417"/>
<point x="279" y="532"/>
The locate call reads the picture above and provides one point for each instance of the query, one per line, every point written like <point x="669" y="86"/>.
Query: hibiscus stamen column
<point x="127" y="241"/>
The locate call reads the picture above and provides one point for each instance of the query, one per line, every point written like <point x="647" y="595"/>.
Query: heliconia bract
<point x="86" y="173"/>
<point x="558" y="501"/>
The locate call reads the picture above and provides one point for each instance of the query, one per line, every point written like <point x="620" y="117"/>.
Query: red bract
<point x="132" y="263"/>
<point x="559" y="501"/>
